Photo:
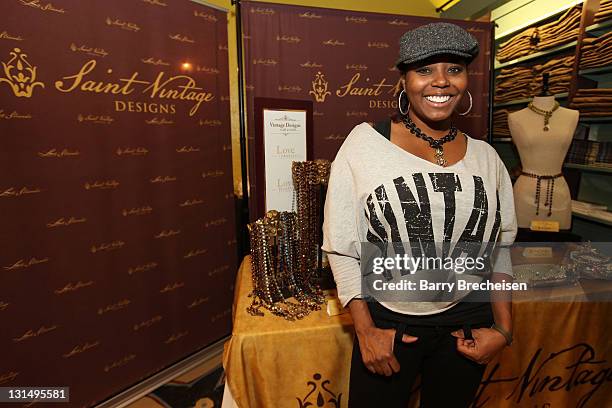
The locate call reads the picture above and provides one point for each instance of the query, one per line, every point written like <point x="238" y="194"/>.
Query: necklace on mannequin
<point x="435" y="144"/>
<point x="545" y="113"/>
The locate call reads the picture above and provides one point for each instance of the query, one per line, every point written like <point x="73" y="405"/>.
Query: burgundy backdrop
<point x="116" y="194"/>
<point x="344" y="62"/>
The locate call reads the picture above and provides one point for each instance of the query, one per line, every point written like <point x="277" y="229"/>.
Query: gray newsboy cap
<point x="435" y="39"/>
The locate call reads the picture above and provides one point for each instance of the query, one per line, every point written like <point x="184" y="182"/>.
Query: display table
<point x="561" y="357"/>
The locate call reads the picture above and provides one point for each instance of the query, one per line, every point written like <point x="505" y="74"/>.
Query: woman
<point x="417" y="179"/>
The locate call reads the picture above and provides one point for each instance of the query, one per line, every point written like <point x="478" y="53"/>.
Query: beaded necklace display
<point x="289" y="250"/>
<point x="545" y="113"/>
<point x="308" y="176"/>
<point x="284" y="249"/>
<point x="271" y="248"/>
<point x="550" y="189"/>
<point x="550" y="179"/>
<point x="435" y="144"/>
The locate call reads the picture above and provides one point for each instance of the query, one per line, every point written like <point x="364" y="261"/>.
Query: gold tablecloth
<point x="561" y="357"/>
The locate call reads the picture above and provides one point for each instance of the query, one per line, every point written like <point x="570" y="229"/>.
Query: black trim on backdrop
<point x="243" y="237"/>
<point x="441" y="8"/>
<point x="279" y="104"/>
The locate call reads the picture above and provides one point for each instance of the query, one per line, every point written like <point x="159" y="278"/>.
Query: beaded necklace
<point x="435" y="144"/>
<point x="545" y="113"/>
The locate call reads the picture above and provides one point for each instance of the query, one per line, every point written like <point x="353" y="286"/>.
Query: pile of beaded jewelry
<point x="588" y="261"/>
<point x="536" y="275"/>
<point x="274" y="250"/>
<point x="308" y="178"/>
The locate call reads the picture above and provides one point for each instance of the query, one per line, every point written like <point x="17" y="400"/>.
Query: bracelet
<point x="507" y="335"/>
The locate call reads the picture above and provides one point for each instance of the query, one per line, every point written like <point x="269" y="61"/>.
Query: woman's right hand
<point x="376" y="346"/>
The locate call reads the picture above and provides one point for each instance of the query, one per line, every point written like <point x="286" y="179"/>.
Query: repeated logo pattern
<point x="116" y="192"/>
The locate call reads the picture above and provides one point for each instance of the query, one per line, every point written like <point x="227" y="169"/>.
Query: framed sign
<point x="283" y="134"/>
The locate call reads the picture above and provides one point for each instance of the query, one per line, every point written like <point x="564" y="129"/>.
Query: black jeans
<point x="448" y="379"/>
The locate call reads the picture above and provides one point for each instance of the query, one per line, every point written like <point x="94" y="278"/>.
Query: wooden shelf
<point x="597" y="74"/>
<point x="602" y="119"/>
<point x="526" y="100"/>
<point x="540" y="20"/>
<point x="588" y="221"/>
<point x="599" y="28"/>
<point x="545" y="53"/>
<point x="592" y="218"/>
<point x="588" y="167"/>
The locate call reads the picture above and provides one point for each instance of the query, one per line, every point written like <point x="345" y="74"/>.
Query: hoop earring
<point x="399" y="103"/>
<point x="470" y="108"/>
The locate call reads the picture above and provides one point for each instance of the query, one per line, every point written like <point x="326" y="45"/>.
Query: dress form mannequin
<point x="542" y="153"/>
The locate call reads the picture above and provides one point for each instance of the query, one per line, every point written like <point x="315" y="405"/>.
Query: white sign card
<point x="284" y="134"/>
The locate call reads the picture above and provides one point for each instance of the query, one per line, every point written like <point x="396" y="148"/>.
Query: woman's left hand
<point x="485" y="346"/>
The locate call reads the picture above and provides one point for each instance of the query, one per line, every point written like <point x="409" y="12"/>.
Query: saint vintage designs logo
<point x="142" y="268"/>
<point x="358" y="20"/>
<point x="4" y="35"/>
<point x="197" y="302"/>
<point x="148" y="323"/>
<point x="94" y="52"/>
<point x="319" y="87"/>
<point x="358" y="86"/>
<point x="181" y="38"/>
<point x="189" y="203"/>
<point x="20" y="75"/>
<point x="22" y="264"/>
<point x="176" y="336"/>
<point x="584" y="374"/>
<point x="309" y="64"/>
<point x="207" y="17"/>
<point x="119" y="363"/>
<point x="43" y="7"/>
<point x="31" y="333"/>
<point x="71" y="287"/>
<point x="125" y="25"/>
<point x="289" y="39"/>
<point x="64" y="222"/>
<point x="264" y="11"/>
<point x="78" y="349"/>
<point x="156" y="3"/>
<point x="181" y="87"/>
<point x="153" y="61"/>
<point x="319" y="394"/>
<point x="310" y="14"/>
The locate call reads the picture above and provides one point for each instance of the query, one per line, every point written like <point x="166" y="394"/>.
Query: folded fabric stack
<point x="604" y="154"/>
<point x="590" y="152"/>
<point x="520" y="45"/>
<point x="594" y="102"/>
<point x="534" y="39"/>
<point x="586" y="206"/>
<point x="596" y="51"/>
<point x="605" y="11"/>
<point x="500" y="122"/>
<point x="525" y="81"/>
<point x="513" y="83"/>
<point x="591" y="210"/>
<point x="582" y="152"/>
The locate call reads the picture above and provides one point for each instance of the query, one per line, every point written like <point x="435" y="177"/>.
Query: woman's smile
<point x="438" y="101"/>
